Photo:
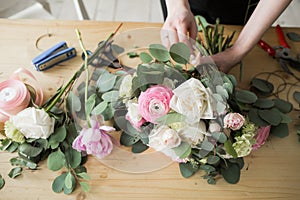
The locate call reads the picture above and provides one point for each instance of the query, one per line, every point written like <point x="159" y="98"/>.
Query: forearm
<point x="266" y="12"/>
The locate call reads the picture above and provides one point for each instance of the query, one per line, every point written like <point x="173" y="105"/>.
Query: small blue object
<point x="51" y="57"/>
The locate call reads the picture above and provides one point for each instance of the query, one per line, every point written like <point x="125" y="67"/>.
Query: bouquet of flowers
<point x="157" y="99"/>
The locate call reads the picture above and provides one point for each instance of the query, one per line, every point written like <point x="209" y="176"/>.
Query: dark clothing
<point x="234" y="12"/>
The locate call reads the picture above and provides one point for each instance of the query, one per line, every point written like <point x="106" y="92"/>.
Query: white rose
<point x="133" y="115"/>
<point x="163" y="137"/>
<point x="34" y="123"/>
<point x="193" y="100"/>
<point x="125" y="90"/>
<point x="194" y="133"/>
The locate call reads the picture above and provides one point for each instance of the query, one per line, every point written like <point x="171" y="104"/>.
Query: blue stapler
<point x="56" y="54"/>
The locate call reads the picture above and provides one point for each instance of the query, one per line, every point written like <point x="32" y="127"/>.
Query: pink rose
<point x="261" y="136"/>
<point x="94" y="140"/>
<point x="234" y="121"/>
<point x="154" y="102"/>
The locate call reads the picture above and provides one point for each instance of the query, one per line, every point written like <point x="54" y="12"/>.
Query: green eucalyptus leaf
<point x="183" y="150"/>
<point x="180" y="53"/>
<point x="111" y="96"/>
<point x="73" y="157"/>
<point x="56" y="160"/>
<point x="106" y="81"/>
<point x="5" y="143"/>
<point x="99" y="108"/>
<point x="222" y="91"/>
<point x="206" y="145"/>
<point x="219" y="136"/>
<point x="187" y="169"/>
<point x="128" y="140"/>
<point x="264" y="103"/>
<point x="262" y="86"/>
<point x="139" y="147"/>
<point x="132" y="54"/>
<point x="213" y="160"/>
<point x="284" y="118"/>
<point x="58" y="136"/>
<point x="159" y="52"/>
<point x="70" y="181"/>
<point x="84" y="176"/>
<point x="145" y="57"/>
<point x="283" y="106"/>
<point x="12" y="147"/>
<point x="296" y="96"/>
<point x="2" y="182"/>
<point x="245" y="96"/>
<point x="293" y="36"/>
<point x="208" y="168"/>
<point x="73" y="102"/>
<point x="84" y="186"/>
<point x="231" y="173"/>
<point x="29" y="150"/>
<point x="15" y="172"/>
<point x="170" y="118"/>
<point x="256" y="119"/>
<point x="232" y="79"/>
<point x="90" y="103"/>
<point x="270" y="116"/>
<point x="281" y="130"/>
<point x="59" y="182"/>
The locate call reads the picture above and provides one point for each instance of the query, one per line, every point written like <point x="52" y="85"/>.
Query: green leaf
<point x="111" y="96"/>
<point x="5" y="143"/>
<point x="132" y="54"/>
<point x="159" y="52"/>
<point x="100" y="108"/>
<point x="29" y="150"/>
<point x="58" y="136"/>
<point x="145" y="57"/>
<point x="229" y="148"/>
<point x="283" y="106"/>
<point x="2" y="182"/>
<point x="281" y="130"/>
<point x="70" y="180"/>
<point x="14" y="172"/>
<point x="59" y="182"/>
<point x="262" y="86"/>
<point x="180" y="53"/>
<point x="128" y="140"/>
<point x="219" y="136"/>
<point x="213" y="160"/>
<point x="245" y="96"/>
<point x="187" y="169"/>
<point x="170" y="118"/>
<point x="231" y="173"/>
<point x="207" y="146"/>
<point x="73" y="157"/>
<point x="270" y="116"/>
<point x="183" y="150"/>
<point x="106" y="81"/>
<point x="254" y="117"/>
<point x="84" y="176"/>
<point x="264" y="103"/>
<point x="296" y="96"/>
<point x="56" y="160"/>
<point x="73" y="102"/>
<point x="208" y="168"/>
<point x="85" y="186"/>
<point x="139" y="147"/>
<point x="13" y="147"/>
<point x="293" y="36"/>
<point x="89" y="104"/>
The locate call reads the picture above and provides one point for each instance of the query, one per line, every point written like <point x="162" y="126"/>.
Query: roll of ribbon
<point x="14" y="97"/>
<point x="15" y="94"/>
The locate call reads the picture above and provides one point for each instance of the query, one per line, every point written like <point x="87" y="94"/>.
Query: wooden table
<point x="270" y="173"/>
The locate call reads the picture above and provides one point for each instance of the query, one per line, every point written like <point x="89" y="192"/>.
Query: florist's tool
<point x="51" y="57"/>
<point x="281" y="52"/>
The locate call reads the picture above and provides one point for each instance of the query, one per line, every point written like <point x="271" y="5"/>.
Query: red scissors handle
<point x="267" y="47"/>
<point x="281" y="37"/>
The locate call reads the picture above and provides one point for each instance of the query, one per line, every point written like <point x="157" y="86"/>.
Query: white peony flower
<point x="133" y="115"/>
<point x="34" y="123"/>
<point x="163" y="137"/>
<point x="193" y="100"/>
<point x="125" y="90"/>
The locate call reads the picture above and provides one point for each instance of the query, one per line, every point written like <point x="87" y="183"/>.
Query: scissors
<point x="281" y="52"/>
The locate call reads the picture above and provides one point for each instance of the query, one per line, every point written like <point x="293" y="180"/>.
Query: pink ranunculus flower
<point x="95" y="140"/>
<point x="234" y="121"/>
<point x="155" y="102"/>
<point x="261" y="136"/>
